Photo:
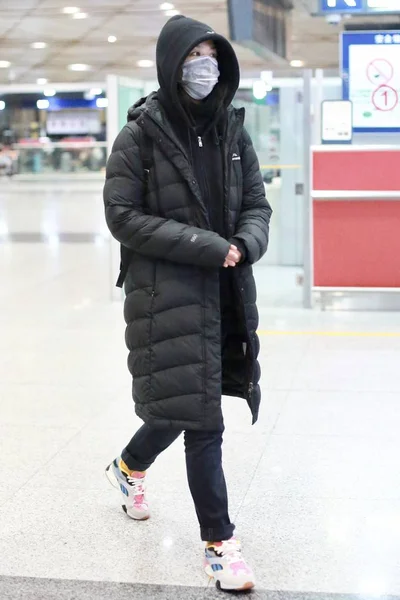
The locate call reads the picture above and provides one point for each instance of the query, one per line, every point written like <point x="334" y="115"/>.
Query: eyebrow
<point x="212" y="46"/>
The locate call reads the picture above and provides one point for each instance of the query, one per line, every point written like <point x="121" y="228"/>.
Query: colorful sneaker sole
<point x="213" y="575"/>
<point x="136" y="516"/>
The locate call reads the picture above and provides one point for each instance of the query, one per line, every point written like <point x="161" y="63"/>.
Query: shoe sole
<point x="249" y="585"/>
<point x="112" y="479"/>
<point x="125" y="509"/>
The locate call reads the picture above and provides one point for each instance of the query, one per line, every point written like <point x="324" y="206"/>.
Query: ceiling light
<point x="49" y="93"/>
<point x="38" y="45"/>
<point x="112" y="39"/>
<point x="41" y="81"/>
<point x="145" y="64"/>
<point x="70" y="10"/>
<point x="297" y="63"/>
<point x="101" y="102"/>
<point x="79" y="67"/>
<point x="260" y="89"/>
<point x="172" y="13"/>
<point x="80" y="15"/>
<point x="42" y="104"/>
<point x="2" y="105"/>
<point x="167" y="6"/>
<point x="4" y="64"/>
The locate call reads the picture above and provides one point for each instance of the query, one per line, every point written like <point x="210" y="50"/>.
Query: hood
<point x="177" y="38"/>
<point x="136" y="110"/>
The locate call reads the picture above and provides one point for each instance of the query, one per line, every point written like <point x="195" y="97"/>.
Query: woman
<point x="192" y="220"/>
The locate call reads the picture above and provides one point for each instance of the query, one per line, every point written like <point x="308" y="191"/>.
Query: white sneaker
<point x="133" y="488"/>
<point x="226" y="566"/>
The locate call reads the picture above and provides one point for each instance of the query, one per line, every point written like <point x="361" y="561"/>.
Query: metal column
<point x="307" y="229"/>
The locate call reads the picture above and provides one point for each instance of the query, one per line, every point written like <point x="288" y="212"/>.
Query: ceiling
<point x="136" y="24"/>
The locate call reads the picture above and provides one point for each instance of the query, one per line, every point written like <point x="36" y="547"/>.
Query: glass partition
<point x="275" y="125"/>
<point x="36" y="158"/>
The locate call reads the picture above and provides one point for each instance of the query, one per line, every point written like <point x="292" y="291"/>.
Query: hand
<point x="233" y="258"/>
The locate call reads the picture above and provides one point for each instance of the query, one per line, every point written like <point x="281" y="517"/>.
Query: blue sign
<point x="57" y="103"/>
<point x="370" y="66"/>
<point x="342" y="6"/>
<point x="359" y="6"/>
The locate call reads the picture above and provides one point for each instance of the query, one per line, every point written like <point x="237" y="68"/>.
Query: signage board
<point x="336" y="122"/>
<point x="341" y="6"/>
<point x="73" y="122"/>
<point x="370" y="63"/>
<point x="366" y="7"/>
<point x="260" y="25"/>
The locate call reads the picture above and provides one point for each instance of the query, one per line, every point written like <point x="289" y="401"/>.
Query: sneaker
<point x="133" y="488"/>
<point x="225" y="564"/>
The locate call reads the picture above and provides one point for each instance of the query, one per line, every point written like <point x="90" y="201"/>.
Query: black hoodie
<point x="205" y="119"/>
<point x="177" y="38"/>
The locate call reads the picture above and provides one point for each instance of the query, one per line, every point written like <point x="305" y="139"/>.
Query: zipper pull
<point x="200" y="141"/>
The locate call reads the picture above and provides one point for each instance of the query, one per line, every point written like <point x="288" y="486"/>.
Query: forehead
<point x="208" y="44"/>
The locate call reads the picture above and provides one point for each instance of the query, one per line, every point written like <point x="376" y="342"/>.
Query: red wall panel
<point x="357" y="243"/>
<point x="357" y="170"/>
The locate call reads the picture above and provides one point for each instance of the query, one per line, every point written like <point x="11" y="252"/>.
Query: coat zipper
<point x="201" y="145"/>
<point x="228" y="167"/>
<point x="206" y="198"/>
<point x="153" y="294"/>
<point x="156" y="186"/>
<point x="205" y="378"/>
<point x="228" y="175"/>
<point x="249" y="385"/>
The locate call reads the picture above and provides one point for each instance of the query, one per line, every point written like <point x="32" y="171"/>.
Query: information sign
<point x="371" y="79"/>
<point x="337" y="122"/>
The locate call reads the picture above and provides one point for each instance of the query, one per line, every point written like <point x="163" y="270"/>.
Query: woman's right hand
<point x="233" y="257"/>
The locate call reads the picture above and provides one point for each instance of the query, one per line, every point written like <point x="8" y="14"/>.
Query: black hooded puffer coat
<point x="172" y="308"/>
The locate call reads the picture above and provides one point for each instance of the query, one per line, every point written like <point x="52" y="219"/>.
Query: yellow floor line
<point x="371" y="334"/>
<point x="280" y="167"/>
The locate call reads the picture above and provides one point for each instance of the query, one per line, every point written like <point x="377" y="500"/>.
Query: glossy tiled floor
<point x="315" y="486"/>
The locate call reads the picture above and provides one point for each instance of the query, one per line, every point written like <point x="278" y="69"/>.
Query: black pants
<point x="204" y="470"/>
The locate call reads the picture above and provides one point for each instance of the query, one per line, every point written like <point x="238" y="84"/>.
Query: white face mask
<point x="200" y="76"/>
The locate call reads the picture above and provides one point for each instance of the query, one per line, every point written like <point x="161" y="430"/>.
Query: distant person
<point x="6" y="161"/>
<point x="192" y="219"/>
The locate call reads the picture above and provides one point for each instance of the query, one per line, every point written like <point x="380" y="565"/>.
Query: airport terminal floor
<point x="314" y="486"/>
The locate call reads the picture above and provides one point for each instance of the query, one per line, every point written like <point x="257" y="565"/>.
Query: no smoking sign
<point x="380" y="71"/>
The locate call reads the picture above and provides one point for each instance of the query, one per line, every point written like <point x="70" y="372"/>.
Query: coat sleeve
<point x="252" y="229"/>
<point x="143" y="233"/>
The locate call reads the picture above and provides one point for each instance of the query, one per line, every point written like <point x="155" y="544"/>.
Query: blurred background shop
<point x="55" y="132"/>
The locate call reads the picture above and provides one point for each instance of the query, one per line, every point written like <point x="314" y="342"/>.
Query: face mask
<point x="200" y="76"/>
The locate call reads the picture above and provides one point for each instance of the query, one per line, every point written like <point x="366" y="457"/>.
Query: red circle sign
<point x="380" y="71"/>
<point x="385" y="98"/>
